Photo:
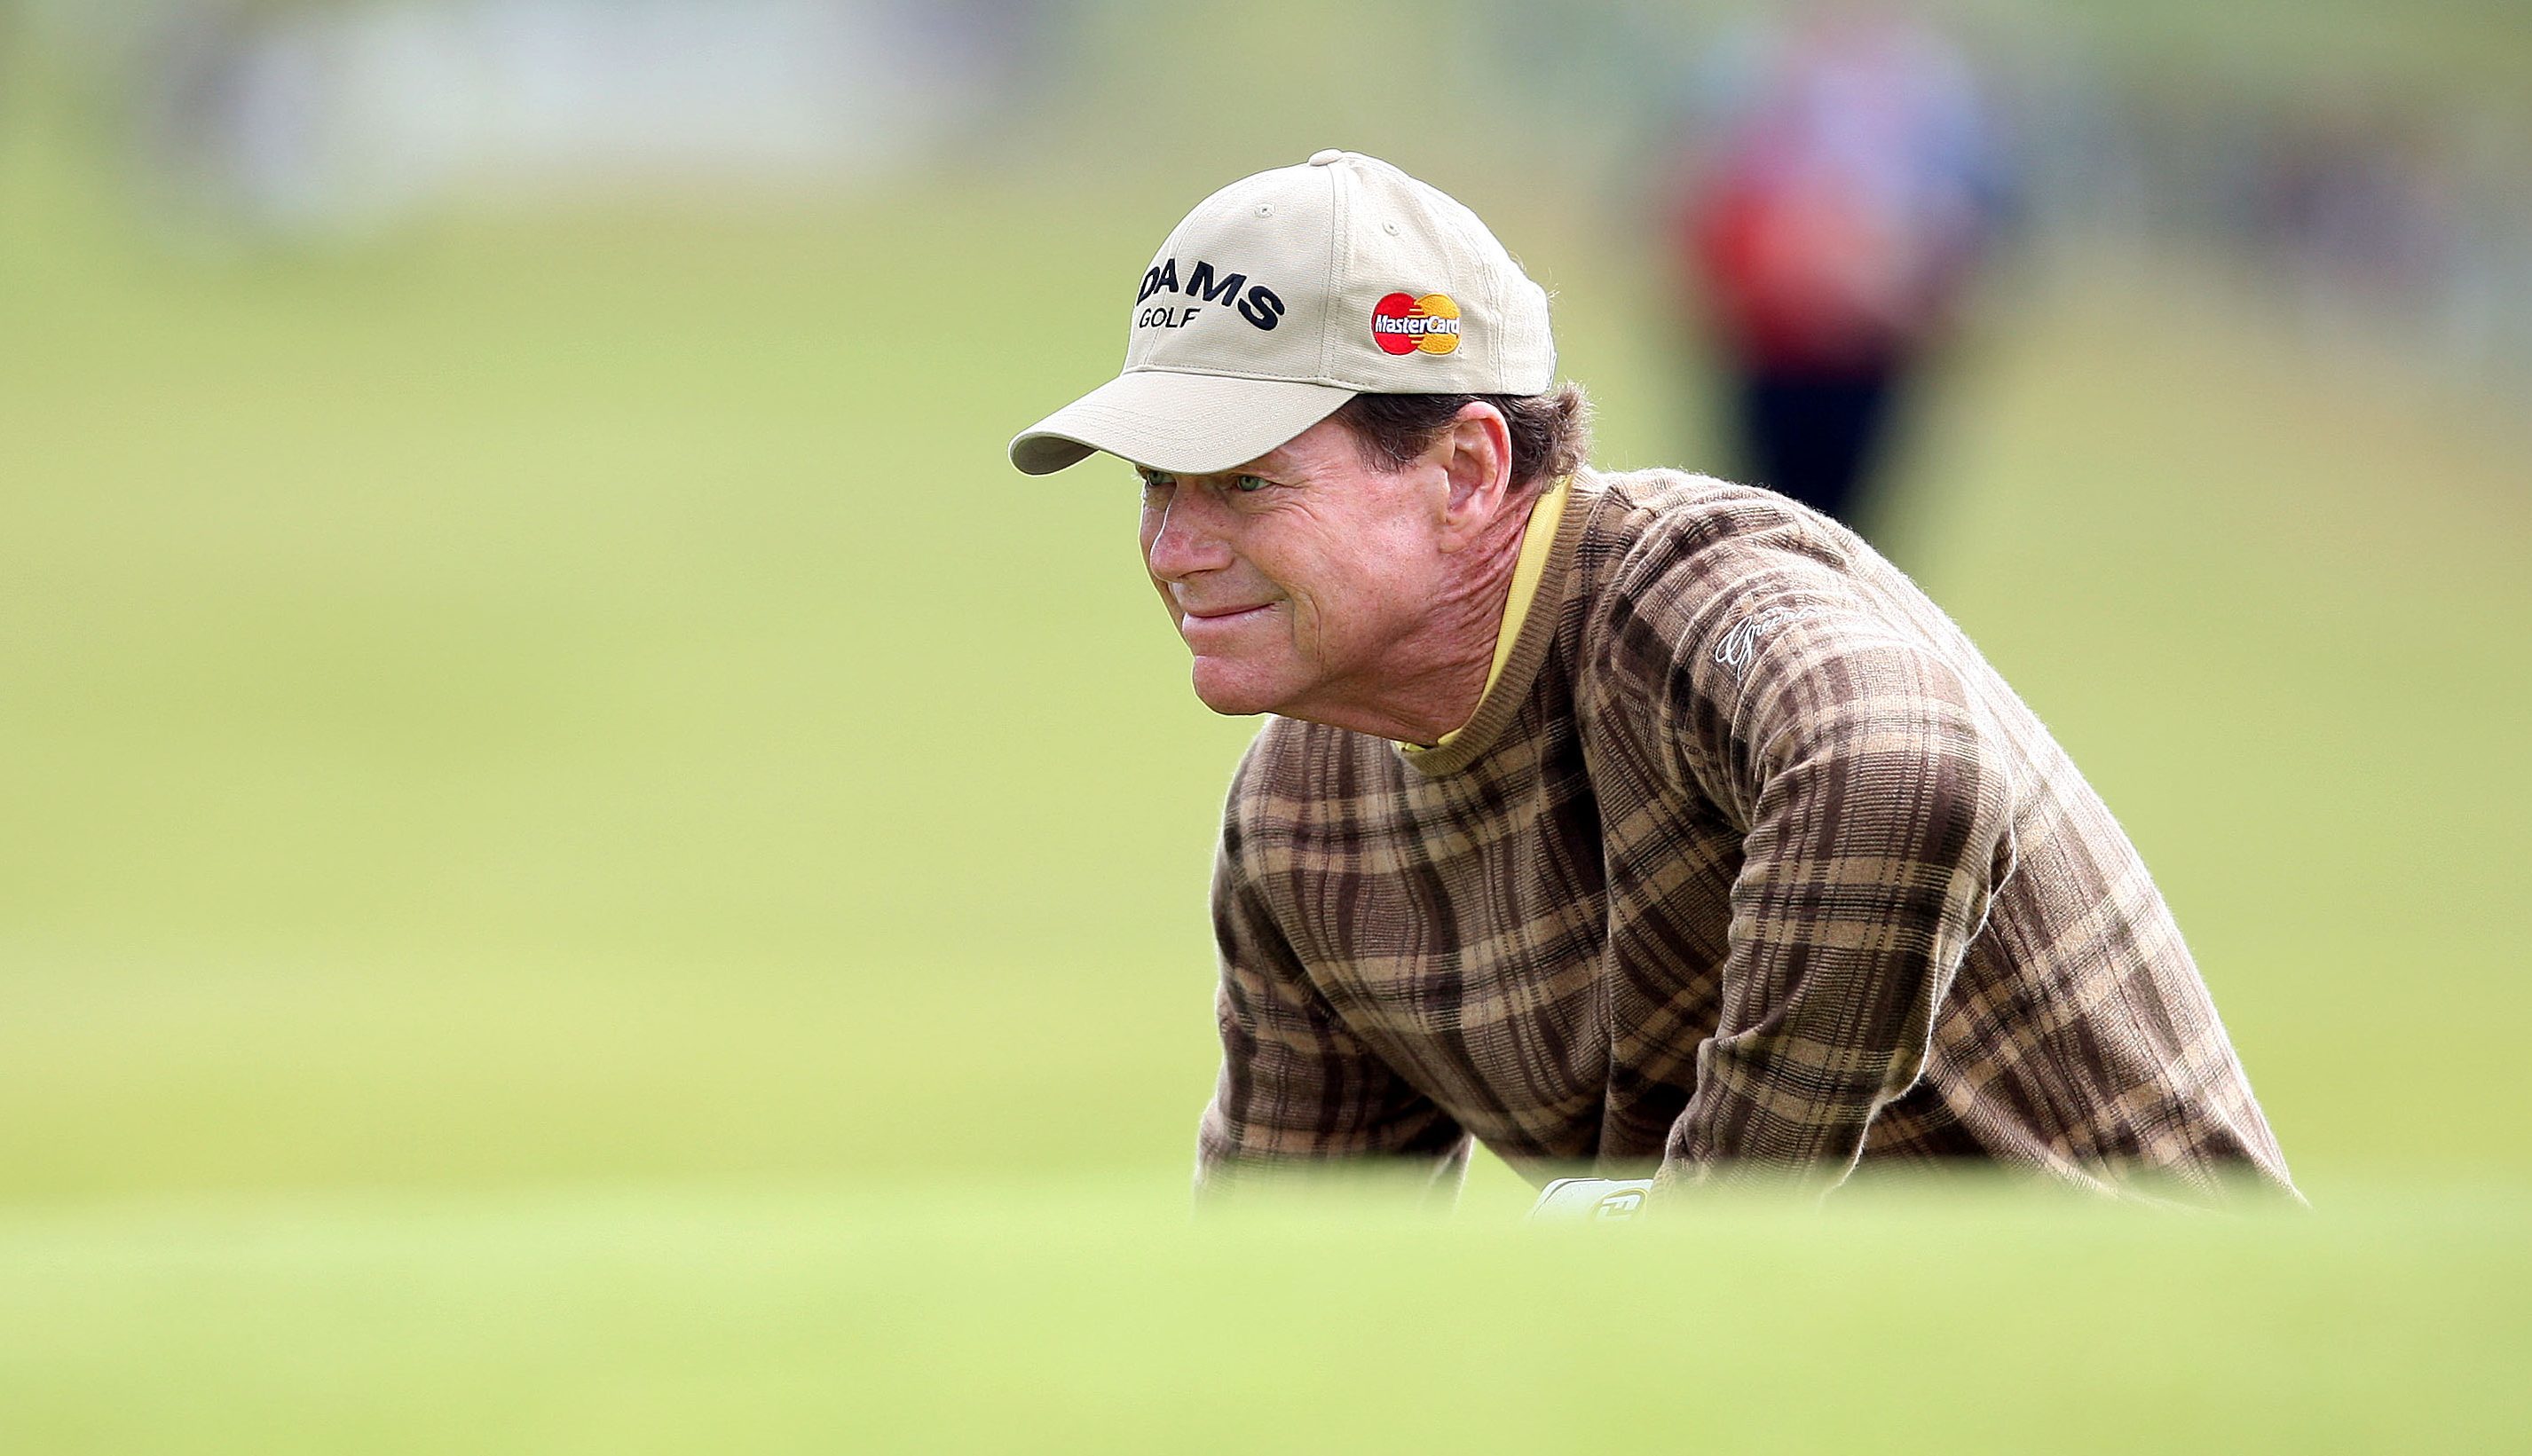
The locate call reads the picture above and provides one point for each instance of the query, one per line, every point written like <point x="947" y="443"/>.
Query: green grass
<point x="1069" y="1317"/>
<point x="588" y="870"/>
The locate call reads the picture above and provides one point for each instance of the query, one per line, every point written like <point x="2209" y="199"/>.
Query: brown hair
<point x="1551" y="433"/>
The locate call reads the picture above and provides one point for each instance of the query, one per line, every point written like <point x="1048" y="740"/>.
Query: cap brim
<point x="1196" y="425"/>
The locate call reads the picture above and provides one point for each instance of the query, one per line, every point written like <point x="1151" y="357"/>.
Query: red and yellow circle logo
<point x="1403" y="324"/>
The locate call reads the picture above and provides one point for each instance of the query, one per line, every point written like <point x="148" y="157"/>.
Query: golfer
<point x="1639" y="826"/>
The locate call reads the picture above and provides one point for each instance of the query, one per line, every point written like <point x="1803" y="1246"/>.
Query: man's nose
<point x="1187" y="540"/>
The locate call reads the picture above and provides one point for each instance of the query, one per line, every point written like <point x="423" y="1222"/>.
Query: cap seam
<point x="1322" y="379"/>
<point x="1498" y="308"/>
<point x="1340" y="222"/>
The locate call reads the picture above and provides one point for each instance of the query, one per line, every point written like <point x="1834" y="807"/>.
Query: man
<point x="1638" y="822"/>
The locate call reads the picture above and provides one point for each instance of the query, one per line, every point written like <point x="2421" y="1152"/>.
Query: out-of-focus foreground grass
<point x="1067" y="1318"/>
<point x="572" y="733"/>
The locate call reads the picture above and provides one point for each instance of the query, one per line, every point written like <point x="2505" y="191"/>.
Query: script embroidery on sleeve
<point x="1741" y="645"/>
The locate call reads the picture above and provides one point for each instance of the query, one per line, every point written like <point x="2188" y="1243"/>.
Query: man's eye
<point x="1157" y="481"/>
<point x="1248" y="484"/>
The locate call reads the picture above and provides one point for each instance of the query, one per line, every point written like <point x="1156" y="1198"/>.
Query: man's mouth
<point x="1192" y="619"/>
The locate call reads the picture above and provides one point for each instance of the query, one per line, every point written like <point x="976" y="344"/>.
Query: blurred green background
<point x="588" y="868"/>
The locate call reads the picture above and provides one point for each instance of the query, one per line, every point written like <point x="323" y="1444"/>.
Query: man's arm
<point x="1876" y="813"/>
<point x="1299" y="1091"/>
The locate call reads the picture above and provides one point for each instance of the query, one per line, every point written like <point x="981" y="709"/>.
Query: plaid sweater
<point x="1748" y="867"/>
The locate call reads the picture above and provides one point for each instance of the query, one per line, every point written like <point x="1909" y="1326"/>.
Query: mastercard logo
<point x="1403" y="324"/>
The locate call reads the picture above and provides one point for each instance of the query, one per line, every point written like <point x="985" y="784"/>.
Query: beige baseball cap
<point x="1285" y="294"/>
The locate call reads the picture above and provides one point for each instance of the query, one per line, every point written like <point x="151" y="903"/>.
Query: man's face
<point x="1299" y="580"/>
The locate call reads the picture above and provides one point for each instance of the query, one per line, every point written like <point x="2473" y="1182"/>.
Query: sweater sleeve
<point x="1875" y="813"/>
<point x="1297" y="1090"/>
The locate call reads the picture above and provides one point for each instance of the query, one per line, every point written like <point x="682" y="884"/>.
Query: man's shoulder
<point x="1672" y="557"/>
<point x="1655" y="520"/>
<point x="1661" y="492"/>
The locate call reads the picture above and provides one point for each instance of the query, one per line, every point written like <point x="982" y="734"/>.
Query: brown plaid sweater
<point x="1748" y="867"/>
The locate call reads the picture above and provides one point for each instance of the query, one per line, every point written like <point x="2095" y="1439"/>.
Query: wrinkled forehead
<point x="1330" y="443"/>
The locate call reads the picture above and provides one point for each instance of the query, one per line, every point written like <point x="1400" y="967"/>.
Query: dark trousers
<point x="1817" y="437"/>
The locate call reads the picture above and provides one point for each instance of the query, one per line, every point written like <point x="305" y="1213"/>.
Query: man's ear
<point x="1475" y="453"/>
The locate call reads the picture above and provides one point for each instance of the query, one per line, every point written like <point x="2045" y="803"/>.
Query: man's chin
<point x="1231" y="689"/>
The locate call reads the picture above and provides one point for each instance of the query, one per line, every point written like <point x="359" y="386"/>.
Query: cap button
<point x="1323" y="159"/>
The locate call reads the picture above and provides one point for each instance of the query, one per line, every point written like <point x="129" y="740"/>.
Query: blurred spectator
<point x="1852" y="185"/>
<point x="2356" y="212"/>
